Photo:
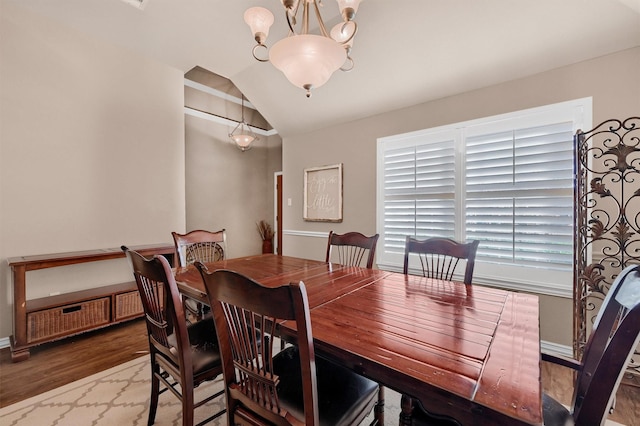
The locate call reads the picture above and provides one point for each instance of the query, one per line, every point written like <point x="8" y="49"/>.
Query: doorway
<point x="278" y="211"/>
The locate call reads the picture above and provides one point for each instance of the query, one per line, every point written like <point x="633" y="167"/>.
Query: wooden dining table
<point x="468" y="352"/>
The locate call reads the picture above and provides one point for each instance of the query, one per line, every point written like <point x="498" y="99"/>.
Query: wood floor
<point x="56" y="364"/>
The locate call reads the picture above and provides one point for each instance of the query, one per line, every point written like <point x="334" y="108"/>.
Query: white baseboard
<point x="4" y="342"/>
<point x="555" y="348"/>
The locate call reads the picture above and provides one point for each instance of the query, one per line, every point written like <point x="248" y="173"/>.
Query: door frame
<point x="277" y="210"/>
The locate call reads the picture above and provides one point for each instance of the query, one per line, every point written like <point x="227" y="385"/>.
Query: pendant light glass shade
<point x="343" y="33"/>
<point x="259" y="20"/>
<point x="242" y="134"/>
<point x="307" y="60"/>
<point x="344" y="4"/>
<point x="242" y="139"/>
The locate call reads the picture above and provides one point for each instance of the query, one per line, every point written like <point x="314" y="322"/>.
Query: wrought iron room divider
<point x="607" y="206"/>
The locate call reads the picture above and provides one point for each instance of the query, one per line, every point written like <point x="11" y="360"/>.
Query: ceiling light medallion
<point x="307" y="60"/>
<point x="242" y="134"/>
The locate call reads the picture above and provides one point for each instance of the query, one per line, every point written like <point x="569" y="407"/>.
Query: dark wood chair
<point x="205" y="246"/>
<point x="292" y="387"/>
<point x="607" y="353"/>
<point x="182" y="357"/>
<point x="439" y="257"/>
<point x="351" y="248"/>
<point x="611" y="344"/>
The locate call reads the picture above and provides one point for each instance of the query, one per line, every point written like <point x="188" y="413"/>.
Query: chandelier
<point x="307" y="60"/>
<point x="242" y="134"/>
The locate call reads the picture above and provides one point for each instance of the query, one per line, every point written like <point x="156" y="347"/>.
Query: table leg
<point x="406" y="404"/>
<point x="379" y="408"/>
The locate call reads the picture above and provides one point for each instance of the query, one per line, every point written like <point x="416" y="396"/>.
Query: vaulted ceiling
<point x="406" y="52"/>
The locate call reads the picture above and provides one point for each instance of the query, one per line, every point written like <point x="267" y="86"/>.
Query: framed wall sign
<point x="323" y="194"/>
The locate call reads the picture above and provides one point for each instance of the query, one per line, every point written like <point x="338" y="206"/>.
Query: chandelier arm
<point x="234" y="129"/>
<point x="350" y="62"/>
<point x="353" y="34"/>
<point x="291" y="25"/>
<point x="323" y="29"/>
<point x="295" y="13"/>
<point x="305" y="17"/>
<point x="253" y="51"/>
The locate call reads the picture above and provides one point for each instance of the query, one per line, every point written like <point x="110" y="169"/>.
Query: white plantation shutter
<point x="506" y="181"/>
<point x="435" y="190"/>
<point x="419" y="191"/>
<point x="519" y="195"/>
<point x="399" y="203"/>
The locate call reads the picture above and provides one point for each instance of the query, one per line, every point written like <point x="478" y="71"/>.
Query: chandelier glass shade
<point x="307" y="60"/>
<point x="242" y="134"/>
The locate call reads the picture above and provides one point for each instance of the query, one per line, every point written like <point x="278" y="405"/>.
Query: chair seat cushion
<point x="204" y="346"/>
<point x="342" y="394"/>
<point x="196" y="307"/>
<point x="554" y="413"/>
<point x="420" y="417"/>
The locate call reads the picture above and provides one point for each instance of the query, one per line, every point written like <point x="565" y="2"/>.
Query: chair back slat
<point x="439" y="266"/>
<point x="153" y="301"/>
<point x="607" y="353"/>
<point x="253" y="364"/>
<point x="162" y="306"/>
<point x="154" y="287"/>
<point x="351" y="249"/>
<point x="350" y="255"/>
<point x="201" y="245"/>
<point x="247" y="315"/>
<point x="439" y="257"/>
<point x="205" y="252"/>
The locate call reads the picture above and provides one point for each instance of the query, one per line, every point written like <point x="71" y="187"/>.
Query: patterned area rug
<point x="120" y="396"/>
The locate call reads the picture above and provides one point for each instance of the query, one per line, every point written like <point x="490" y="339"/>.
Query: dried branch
<point x="265" y="231"/>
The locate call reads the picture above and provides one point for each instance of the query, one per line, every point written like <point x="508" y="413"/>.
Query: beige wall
<point x="91" y="152"/>
<point x="220" y="177"/>
<point x="612" y="81"/>
<point x="112" y="159"/>
<point x="228" y="188"/>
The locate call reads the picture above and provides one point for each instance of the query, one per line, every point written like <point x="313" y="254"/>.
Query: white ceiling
<point x="406" y="52"/>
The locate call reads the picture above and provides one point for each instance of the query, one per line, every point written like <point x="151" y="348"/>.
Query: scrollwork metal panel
<point x="607" y="203"/>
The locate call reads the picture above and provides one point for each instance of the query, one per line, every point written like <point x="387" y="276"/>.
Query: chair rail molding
<point x="299" y="233"/>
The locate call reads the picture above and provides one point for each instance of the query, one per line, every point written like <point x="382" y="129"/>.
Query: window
<point x="506" y="181"/>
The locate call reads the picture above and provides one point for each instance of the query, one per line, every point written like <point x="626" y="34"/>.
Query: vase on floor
<point x="267" y="246"/>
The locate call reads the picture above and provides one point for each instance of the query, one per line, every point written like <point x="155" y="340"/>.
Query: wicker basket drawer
<point x="128" y="305"/>
<point x="65" y="320"/>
